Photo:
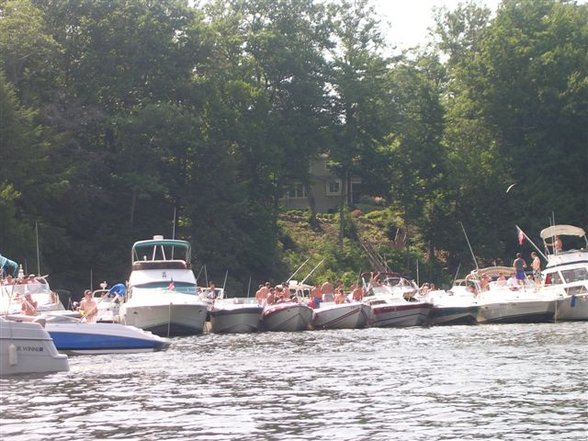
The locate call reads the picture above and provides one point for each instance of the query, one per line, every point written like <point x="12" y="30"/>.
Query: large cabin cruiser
<point x="566" y="273"/>
<point x="162" y="295"/>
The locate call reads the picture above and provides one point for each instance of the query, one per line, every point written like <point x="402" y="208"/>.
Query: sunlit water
<point x="492" y="382"/>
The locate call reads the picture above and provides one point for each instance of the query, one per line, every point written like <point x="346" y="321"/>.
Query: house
<point x="325" y="187"/>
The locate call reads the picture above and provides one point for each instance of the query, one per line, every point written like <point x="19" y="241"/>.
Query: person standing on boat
<point x="88" y="307"/>
<point x="536" y="266"/>
<point x="519" y="266"/>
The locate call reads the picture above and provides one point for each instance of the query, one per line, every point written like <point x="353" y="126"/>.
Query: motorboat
<point x="108" y="302"/>
<point x="349" y="315"/>
<point x="286" y="317"/>
<point x="14" y="290"/>
<point x="75" y="336"/>
<point x="394" y="301"/>
<point x="162" y="294"/>
<point x="457" y="306"/>
<point x="566" y="273"/>
<point x="235" y="315"/>
<point x="505" y="302"/>
<point x="26" y="348"/>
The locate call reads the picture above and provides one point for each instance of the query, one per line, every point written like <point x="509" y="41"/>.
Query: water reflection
<point x="478" y="382"/>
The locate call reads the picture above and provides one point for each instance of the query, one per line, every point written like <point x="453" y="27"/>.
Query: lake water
<point x="491" y="382"/>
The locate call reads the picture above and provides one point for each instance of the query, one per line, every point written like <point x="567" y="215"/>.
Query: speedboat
<point x="26" y="347"/>
<point x="235" y="315"/>
<point x="394" y="301"/>
<point x="457" y="306"/>
<point x="506" y="303"/>
<point x="12" y="294"/>
<point x="286" y="317"/>
<point x="566" y="273"/>
<point x="331" y="315"/>
<point x="162" y="295"/>
<point x="74" y="336"/>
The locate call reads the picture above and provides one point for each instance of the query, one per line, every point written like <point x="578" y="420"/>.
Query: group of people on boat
<point x="315" y="295"/>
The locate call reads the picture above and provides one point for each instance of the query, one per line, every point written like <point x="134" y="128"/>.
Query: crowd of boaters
<point x="325" y="292"/>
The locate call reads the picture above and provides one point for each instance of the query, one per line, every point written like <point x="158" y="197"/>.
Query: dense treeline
<point x="121" y="119"/>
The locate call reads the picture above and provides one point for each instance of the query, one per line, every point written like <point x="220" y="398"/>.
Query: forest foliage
<point x="122" y="119"/>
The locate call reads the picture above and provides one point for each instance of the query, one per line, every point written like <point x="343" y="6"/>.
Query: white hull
<point x="572" y="308"/>
<point x="286" y="317"/>
<point x="341" y="316"/>
<point x="166" y="318"/>
<point x="27" y="348"/>
<point x="235" y="318"/>
<point x="521" y="311"/>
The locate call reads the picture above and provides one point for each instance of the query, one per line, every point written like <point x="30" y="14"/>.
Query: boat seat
<point x="159" y="264"/>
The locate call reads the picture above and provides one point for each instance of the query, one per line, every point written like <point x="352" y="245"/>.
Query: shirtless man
<point x="262" y="293"/>
<point x="88" y="307"/>
<point x="328" y="291"/>
<point x="536" y="266"/>
<point x="357" y="293"/>
<point x="29" y="306"/>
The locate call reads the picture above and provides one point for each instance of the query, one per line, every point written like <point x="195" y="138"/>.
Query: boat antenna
<point x="469" y="246"/>
<point x="199" y="272"/>
<point x="313" y="270"/>
<point x="456" y="273"/>
<point x="38" y="255"/>
<point x="299" y="268"/>
<point x="225" y="281"/>
<point x="174" y="225"/>
<point x="249" y="287"/>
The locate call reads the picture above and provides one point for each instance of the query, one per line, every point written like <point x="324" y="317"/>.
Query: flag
<point x="171" y="285"/>
<point x="521" y="236"/>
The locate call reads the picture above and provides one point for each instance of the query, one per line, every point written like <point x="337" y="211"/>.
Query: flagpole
<point x="520" y="231"/>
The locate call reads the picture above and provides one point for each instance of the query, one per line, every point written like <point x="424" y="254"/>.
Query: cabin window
<point x="553" y="279"/>
<point x="575" y="275"/>
<point x="334" y="187"/>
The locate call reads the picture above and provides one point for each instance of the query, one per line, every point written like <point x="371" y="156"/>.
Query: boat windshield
<point x="183" y="287"/>
<point x="575" y="275"/>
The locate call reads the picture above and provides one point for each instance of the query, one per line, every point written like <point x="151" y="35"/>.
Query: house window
<point x="334" y="187"/>
<point x="296" y="191"/>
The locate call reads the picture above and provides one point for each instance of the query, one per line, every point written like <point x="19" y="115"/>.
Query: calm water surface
<point x="492" y="382"/>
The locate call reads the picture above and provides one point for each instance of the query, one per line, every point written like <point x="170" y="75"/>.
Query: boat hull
<point x="235" y="320"/>
<point x="342" y="316"/>
<point x="167" y="319"/>
<point x="517" y="312"/>
<point x="453" y="315"/>
<point x="387" y="315"/>
<point x="572" y="308"/>
<point x="286" y="317"/>
<point x="103" y="338"/>
<point x="27" y="348"/>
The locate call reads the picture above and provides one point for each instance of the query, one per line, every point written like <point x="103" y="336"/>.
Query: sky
<point x="409" y="19"/>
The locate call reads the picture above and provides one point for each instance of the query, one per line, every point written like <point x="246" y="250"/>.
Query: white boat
<point x="75" y="336"/>
<point x="12" y="294"/>
<point x="162" y="295"/>
<point x="457" y="306"/>
<point x="26" y="347"/>
<point x="330" y="315"/>
<point x="566" y="272"/>
<point x="108" y="304"/>
<point x="502" y="303"/>
<point x="235" y="315"/>
<point x="394" y="302"/>
<point x="286" y="317"/>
